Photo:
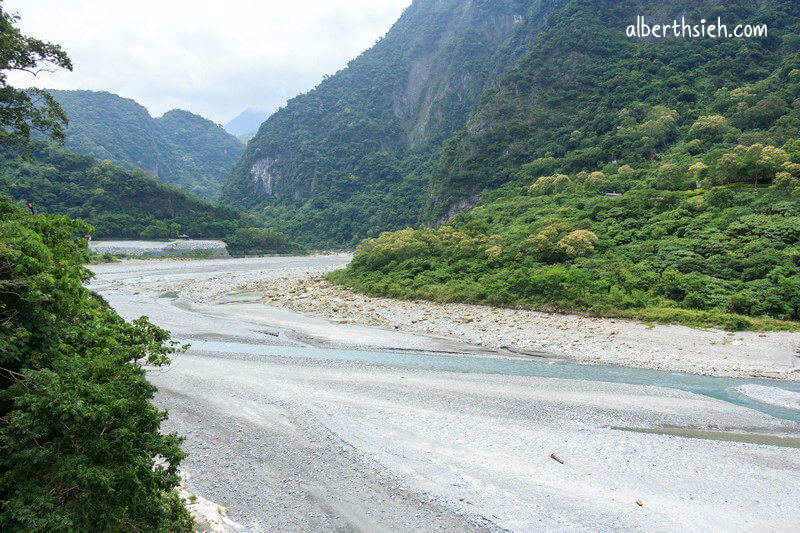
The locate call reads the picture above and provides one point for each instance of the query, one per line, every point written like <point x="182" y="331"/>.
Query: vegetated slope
<point x="202" y="154"/>
<point x="653" y="179"/>
<point x="351" y="157"/>
<point x="117" y="202"/>
<point x="565" y="97"/>
<point x="179" y="147"/>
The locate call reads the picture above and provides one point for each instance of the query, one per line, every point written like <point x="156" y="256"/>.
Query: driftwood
<point x="554" y="457"/>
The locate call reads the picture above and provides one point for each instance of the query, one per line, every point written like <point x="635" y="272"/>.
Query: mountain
<point x="245" y="125"/>
<point x="565" y="97"/>
<point x="653" y="179"/>
<point x="352" y="157"/>
<point x="649" y="178"/>
<point x="117" y="202"/>
<point x="179" y="147"/>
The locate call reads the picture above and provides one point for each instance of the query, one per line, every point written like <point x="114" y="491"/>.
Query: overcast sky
<point x="212" y="58"/>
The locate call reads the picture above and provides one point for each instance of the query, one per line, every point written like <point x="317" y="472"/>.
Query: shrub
<point x="255" y="241"/>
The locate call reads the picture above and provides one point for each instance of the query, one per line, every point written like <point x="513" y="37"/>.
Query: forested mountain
<point x="352" y="157"/>
<point x="566" y="99"/>
<point x="178" y="147"/>
<point x="655" y="178"/>
<point x="117" y="202"/>
<point x="245" y="125"/>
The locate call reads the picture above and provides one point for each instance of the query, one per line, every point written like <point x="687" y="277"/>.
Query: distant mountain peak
<point x="247" y="122"/>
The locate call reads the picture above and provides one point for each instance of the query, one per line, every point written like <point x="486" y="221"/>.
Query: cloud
<point x="212" y="58"/>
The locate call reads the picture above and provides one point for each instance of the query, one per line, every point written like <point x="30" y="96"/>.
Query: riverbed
<point x="299" y="422"/>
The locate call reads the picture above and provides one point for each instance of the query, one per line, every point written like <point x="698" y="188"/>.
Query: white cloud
<point x="212" y="58"/>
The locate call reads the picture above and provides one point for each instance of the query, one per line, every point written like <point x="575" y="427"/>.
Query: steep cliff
<point x="351" y="157"/>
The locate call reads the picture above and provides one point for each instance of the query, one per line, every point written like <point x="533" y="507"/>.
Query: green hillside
<point x="658" y="179"/>
<point x="352" y="157"/>
<point x="178" y="147"/>
<point x="117" y="202"/>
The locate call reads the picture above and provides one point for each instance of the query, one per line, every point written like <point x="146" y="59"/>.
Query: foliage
<point x="178" y="147"/>
<point x="625" y="178"/>
<point x="80" y="447"/>
<point x="22" y="111"/>
<point x="123" y="204"/>
<point x="118" y="203"/>
<point x="255" y="241"/>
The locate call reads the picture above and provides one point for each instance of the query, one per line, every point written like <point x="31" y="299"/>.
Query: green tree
<point x="80" y="441"/>
<point x="24" y="110"/>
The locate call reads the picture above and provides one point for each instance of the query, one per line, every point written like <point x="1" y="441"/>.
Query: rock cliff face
<point x="374" y="127"/>
<point x="460" y="94"/>
<point x="264" y="181"/>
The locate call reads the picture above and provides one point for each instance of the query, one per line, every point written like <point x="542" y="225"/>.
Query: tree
<point x="578" y="243"/>
<point x="24" y="110"/>
<point x="80" y="441"/>
<point x="710" y="128"/>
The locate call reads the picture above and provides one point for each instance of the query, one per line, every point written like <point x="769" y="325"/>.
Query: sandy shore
<point x="585" y="339"/>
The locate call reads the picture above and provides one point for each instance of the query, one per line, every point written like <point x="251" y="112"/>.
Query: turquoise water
<point x="714" y="387"/>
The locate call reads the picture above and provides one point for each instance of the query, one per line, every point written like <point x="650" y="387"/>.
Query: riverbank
<point x="323" y="438"/>
<point x="579" y="338"/>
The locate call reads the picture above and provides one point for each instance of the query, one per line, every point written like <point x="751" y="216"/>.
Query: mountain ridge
<point x="178" y="147"/>
<point x="350" y="157"/>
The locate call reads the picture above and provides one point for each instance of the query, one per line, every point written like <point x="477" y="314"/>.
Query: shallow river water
<point x="713" y="387"/>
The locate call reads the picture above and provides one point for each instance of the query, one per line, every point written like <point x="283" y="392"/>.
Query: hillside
<point x="352" y="156"/>
<point x="117" y="202"/>
<point x="657" y="179"/>
<point x="566" y="97"/>
<point x="178" y="147"/>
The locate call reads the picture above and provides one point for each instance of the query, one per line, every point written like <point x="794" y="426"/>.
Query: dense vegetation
<point x="118" y="203"/>
<point x="256" y="241"/>
<point x="658" y="180"/>
<point x="178" y="147"/>
<point x="80" y="447"/>
<point x="351" y="157"/>
<point x="125" y="204"/>
<point x="565" y="98"/>
<point x="80" y="441"/>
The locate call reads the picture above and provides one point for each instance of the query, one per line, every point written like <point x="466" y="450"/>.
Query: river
<point x="298" y="423"/>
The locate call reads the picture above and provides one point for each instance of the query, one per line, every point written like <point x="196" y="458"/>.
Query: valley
<point x="506" y="267"/>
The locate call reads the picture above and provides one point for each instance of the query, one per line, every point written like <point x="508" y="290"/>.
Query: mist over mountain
<point x="245" y="125"/>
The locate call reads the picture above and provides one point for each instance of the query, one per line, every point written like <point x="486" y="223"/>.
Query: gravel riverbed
<point x="291" y="437"/>
<point x="580" y="338"/>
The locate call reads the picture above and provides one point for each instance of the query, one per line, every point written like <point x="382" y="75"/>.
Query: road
<point x="295" y="423"/>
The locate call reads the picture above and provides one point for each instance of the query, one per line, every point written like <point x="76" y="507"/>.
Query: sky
<point x="209" y="57"/>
